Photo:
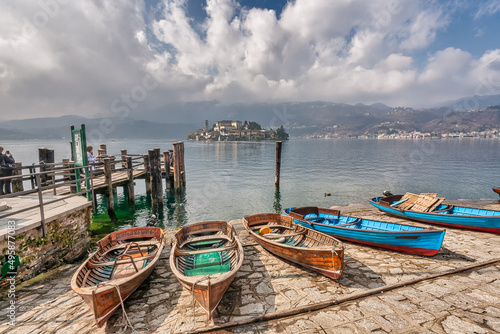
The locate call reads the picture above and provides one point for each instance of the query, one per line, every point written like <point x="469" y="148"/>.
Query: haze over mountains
<point x="174" y="121"/>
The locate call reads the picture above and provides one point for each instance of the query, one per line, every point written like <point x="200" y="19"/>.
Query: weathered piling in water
<point x="147" y="178"/>
<point x="130" y="184"/>
<point x="166" y="168"/>
<point x="155" y="179"/>
<point x="278" y="165"/>
<point x="45" y="156"/>
<point x="178" y="164"/>
<point x="109" y="188"/>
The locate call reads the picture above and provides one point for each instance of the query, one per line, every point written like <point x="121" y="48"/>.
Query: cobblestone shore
<point x="379" y="292"/>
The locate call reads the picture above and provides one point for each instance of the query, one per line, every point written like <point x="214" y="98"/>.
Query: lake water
<point x="228" y="180"/>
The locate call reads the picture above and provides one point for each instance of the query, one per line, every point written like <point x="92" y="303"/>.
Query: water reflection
<point x="277" y="201"/>
<point x="175" y="208"/>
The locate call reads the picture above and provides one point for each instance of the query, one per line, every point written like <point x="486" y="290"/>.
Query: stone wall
<point x="67" y="240"/>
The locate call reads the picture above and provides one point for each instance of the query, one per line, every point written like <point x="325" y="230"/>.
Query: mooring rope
<point x="125" y="316"/>
<point x="202" y="278"/>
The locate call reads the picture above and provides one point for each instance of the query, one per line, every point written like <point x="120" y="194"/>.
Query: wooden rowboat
<point x="205" y="258"/>
<point x="123" y="260"/>
<point x="306" y="247"/>
<point x="497" y="190"/>
<point x="393" y="236"/>
<point x="443" y="214"/>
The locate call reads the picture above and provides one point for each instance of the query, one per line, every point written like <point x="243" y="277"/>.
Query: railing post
<point x="45" y="156"/>
<point x="130" y="184"/>
<point x="17" y="184"/>
<point x="123" y="153"/>
<point x="40" y="202"/>
<point x="102" y="150"/>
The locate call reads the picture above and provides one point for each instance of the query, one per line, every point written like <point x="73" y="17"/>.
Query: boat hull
<point x="104" y="296"/>
<point x="473" y="221"/>
<point x="392" y="236"/>
<point x="207" y="290"/>
<point x="325" y="255"/>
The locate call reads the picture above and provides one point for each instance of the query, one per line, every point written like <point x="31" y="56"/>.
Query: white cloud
<point x="82" y="57"/>
<point x="489" y="8"/>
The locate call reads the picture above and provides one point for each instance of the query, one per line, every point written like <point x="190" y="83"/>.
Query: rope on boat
<point x="334" y="253"/>
<point x="202" y="278"/>
<point x="125" y="316"/>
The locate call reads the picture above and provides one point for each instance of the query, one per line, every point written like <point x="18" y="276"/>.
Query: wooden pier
<point x="48" y="178"/>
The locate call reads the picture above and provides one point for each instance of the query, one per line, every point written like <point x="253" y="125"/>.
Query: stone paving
<point x="466" y="302"/>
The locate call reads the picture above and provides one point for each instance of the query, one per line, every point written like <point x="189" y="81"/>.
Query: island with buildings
<point x="229" y="130"/>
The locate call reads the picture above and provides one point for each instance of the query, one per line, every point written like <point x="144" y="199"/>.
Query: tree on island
<point x="253" y="126"/>
<point x="281" y="133"/>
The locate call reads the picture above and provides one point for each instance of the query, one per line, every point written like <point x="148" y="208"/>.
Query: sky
<point x="102" y="58"/>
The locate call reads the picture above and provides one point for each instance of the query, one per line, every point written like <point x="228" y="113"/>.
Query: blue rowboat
<point x="447" y="215"/>
<point x="398" y="237"/>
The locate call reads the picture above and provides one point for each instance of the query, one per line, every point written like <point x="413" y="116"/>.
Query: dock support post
<point x="181" y="163"/>
<point x="109" y="189"/>
<point x="147" y="176"/>
<point x="155" y="180"/>
<point x="278" y="165"/>
<point x="177" y="167"/>
<point x="130" y="184"/>
<point x="166" y="168"/>
<point x="46" y="156"/>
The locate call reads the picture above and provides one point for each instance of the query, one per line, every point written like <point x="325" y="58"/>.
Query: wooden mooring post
<point x="130" y="183"/>
<point x="155" y="179"/>
<point x="147" y="178"/>
<point x="178" y="164"/>
<point x="109" y="189"/>
<point x="278" y="165"/>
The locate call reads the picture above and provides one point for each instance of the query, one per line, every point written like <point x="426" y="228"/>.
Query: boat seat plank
<point x="99" y="264"/>
<point x="272" y="226"/>
<point x="187" y="252"/>
<point x="205" y="238"/>
<point x="208" y="230"/>
<point x="283" y="235"/>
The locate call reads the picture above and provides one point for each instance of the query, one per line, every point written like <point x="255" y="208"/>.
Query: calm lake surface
<point x="228" y="180"/>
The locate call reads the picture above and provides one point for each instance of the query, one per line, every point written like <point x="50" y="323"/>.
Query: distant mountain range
<point x="112" y="128"/>
<point x="175" y="121"/>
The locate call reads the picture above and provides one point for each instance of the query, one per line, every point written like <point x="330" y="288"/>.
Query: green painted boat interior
<point x="207" y="263"/>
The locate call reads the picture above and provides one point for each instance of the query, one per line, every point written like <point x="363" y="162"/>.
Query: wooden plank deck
<point x="117" y="178"/>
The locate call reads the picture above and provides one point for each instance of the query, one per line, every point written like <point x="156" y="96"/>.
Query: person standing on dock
<point x="90" y="156"/>
<point x="6" y="169"/>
